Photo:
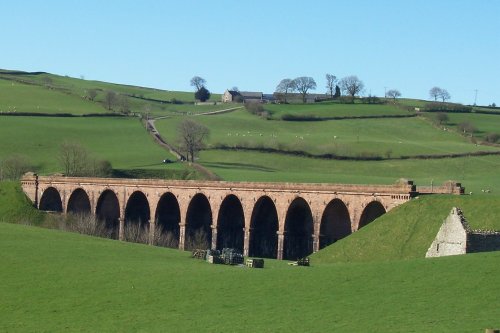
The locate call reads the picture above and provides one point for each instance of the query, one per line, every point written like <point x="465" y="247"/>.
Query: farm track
<point x="151" y="128"/>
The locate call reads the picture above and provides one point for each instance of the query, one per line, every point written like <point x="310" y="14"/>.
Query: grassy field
<point x="122" y="141"/>
<point x="484" y="123"/>
<point x="475" y="173"/>
<point x="78" y="283"/>
<point x="18" y="97"/>
<point x="360" y="137"/>
<point x="334" y="109"/>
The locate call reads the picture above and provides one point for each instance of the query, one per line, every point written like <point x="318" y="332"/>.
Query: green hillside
<point x="47" y="93"/>
<point x="79" y="283"/>
<point x="355" y="138"/>
<point x="122" y="141"/>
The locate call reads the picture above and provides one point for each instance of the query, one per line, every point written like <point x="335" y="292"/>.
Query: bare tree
<point x="351" y="85"/>
<point x="286" y="86"/>
<point x="393" y="93"/>
<point x="92" y="94"/>
<point x="435" y="92"/>
<point x="444" y="95"/>
<point x="110" y="100"/>
<point x="14" y="166"/>
<point x="303" y="84"/>
<point x="191" y="137"/>
<point x="331" y="81"/>
<point x="74" y="158"/>
<point x="123" y="103"/>
<point x="198" y="82"/>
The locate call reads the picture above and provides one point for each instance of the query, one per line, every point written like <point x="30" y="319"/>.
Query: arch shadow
<point x="51" y="200"/>
<point x="168" y="217"/>
<point x="198" y="223"/>
<point x="264" y="226"/>
<point x="79" y="202"/>
<point x="230" y="224"/>
<point x="108" y="210"/>
<point x="372" y="211"/>
<point x="335" y="223"/>
<point x="298" y="230"/>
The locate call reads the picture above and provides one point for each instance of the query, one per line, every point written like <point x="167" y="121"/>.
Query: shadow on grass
<point x="240" y="166"/>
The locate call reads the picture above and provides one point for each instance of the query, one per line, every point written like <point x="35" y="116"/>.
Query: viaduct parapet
<point x="276" y="220"/>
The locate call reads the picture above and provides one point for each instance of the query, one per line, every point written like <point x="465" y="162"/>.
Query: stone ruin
<point x="456" y="237"/>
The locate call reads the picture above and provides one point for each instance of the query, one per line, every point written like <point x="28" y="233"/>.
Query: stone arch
<point x="108" y="210"/>
<point x="230" y="224"/>
<point x="335" y="223"/>
<point x="264" y="225"/>
<point x="168" y="217"/>
<point x="299" y="229"/>
<point x="137" y="210"/>
<point x="79" y="202"/>
<point x="198" y="223"/>
<point x="51" y="200"/>
<point x="372" y="211"/>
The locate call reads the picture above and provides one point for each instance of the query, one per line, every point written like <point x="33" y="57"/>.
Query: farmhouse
<point x="242" y="96"/>
<point x="456" y="237"/>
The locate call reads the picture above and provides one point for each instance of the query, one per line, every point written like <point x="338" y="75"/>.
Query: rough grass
<point x="79" y="283"/>
<point x="408" y="230"/>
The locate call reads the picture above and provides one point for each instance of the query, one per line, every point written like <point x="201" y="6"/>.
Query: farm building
<point x="242" y="96"/>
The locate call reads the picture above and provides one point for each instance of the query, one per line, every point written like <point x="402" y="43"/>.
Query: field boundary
<point x="301" y="153"/>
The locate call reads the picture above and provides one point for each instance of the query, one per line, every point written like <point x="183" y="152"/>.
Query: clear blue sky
<point x="408" y="45"/>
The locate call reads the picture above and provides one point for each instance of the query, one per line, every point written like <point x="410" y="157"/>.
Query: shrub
<point x="14" y="166"/>
<point x="492" y="137"/>
<point x="466" y="127"/>
<point x="442" y="117"/>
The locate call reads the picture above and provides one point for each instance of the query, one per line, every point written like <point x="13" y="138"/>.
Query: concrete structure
<point x="280" y="220"/>
<point x="456" y="237"/>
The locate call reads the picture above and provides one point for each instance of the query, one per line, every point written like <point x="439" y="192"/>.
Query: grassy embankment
<point x="408" y="230"/>
<point x="78" y="283"/>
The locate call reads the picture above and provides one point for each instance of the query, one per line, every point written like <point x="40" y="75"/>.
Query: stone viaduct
<point x="274" y="220"/>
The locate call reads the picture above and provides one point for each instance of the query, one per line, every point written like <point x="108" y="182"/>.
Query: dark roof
<point x="251" y="94"/>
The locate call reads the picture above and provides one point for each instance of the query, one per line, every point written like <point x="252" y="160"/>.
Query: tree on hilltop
<point x="202" y="94"/>
<point x="441" y="93"/>
<point x="303" y="84"/>
<point x="444" y="95"/>
<point x="435" y="92"/>
<point x="331" y="81"/>
<point x="286" y="86"/>
<point x="352" y="86"/>
<point x="198" y="82"/>
<point x="393" y="93"/>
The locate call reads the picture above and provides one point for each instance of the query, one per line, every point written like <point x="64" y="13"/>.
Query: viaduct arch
<point x="275" y="220"/>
